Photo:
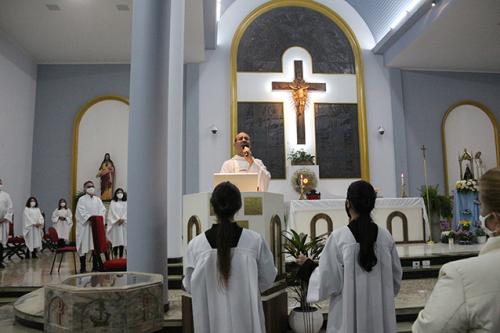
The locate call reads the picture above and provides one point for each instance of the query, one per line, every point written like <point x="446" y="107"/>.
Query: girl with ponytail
<point x="359" y="270"/>
<point x="226" y="269"/>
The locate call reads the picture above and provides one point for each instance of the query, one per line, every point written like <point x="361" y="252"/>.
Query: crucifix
<point x="300" y="89"/>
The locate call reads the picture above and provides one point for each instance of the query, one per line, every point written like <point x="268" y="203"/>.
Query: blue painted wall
<point x="426" y="98"/>
<point x="61" y="92"/>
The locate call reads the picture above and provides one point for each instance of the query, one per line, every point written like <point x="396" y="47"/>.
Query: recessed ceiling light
<point x="53" y="7"/>
<point x="123" y="7"/>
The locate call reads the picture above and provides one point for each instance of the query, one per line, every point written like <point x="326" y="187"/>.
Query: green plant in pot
<point x="300" y="157"/>
<point x="305" y="318"/>
<point x="438" y="205"/>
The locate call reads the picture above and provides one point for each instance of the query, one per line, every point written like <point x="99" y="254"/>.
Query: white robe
<point x="63" y="227"/>
<point x="360" y="301"/>
<point x="32" y="234"/>
<point x="239" y="164"/>
<point x="86" y="207"/>
<point x="116" y="233"/>
<point x="237" y="308"/>
<point x="5" y="213"/>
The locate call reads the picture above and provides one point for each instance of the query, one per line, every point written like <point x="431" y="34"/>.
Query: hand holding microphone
<point x="247" y="153"/>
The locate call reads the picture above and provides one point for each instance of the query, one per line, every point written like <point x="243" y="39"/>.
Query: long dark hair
<point x="361" y="197"/>
<point x="115" y="198"/>
<point x="60" y="202"/>
<point x="28" y="202"/>
<point x="226" y="201"/>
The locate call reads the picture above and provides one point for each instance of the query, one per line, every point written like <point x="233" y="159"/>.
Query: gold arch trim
<point x="403" y="218"/>
<point x="76" y="132"/>
<point x="314" y="222"/>
<point x="362" y="126"/>
<point x="494" y="123"/>
<point x="276" y="242"/>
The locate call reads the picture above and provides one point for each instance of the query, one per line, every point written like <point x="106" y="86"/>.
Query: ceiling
<point x="85" y="31"/>
<point x="464" y="35"/>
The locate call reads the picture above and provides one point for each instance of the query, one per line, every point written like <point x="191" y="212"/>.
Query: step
<point x="410" y="273"/>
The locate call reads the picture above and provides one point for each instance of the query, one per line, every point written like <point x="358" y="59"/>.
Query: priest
<point x="244" y="162"/>
<point x="88" y="205"/>
<point x="5" y="219"/>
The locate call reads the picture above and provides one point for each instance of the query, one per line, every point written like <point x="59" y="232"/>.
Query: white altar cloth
<point x="331" y="207"/>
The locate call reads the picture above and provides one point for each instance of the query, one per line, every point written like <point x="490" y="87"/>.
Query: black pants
<point x="118" y="250"/>
<point x="1" y="253"/>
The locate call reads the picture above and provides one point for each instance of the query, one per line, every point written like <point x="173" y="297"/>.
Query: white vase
<point x="305" y="322"/>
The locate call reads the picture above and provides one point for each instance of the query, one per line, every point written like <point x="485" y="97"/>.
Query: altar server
<point x="466" y="297"/>
<point x="359" y="270"/>
<point x="226" y="269"/>
<point x="32" y="226"/>
<point x="88" y="205"/>
<point x="244" y="162"/>
<point x="117" y="222"/>
<point x="62" y="220"/>
<point x="5" y="219"/>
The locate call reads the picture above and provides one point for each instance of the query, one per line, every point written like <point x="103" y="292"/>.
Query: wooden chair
<point x="101" y="245"/>
<point x="54" y="239"/>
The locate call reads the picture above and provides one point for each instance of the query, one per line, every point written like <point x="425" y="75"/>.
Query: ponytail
<point x="226" y="201"/>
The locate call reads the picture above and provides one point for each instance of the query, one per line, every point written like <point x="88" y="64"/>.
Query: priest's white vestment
<point x="240" y="164"/>
<point x="117" y="233"/>
<point x="87" y="207"/>
<point x="5" y="213"/>
<point x="360" y="301"/>
<point x="32" y="234"/>
<point x="62" y="220"/>
<point x="239" y="307"/>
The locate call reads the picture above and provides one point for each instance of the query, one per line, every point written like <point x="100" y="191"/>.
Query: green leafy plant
<point x="295" y="245"/>
<point x="300" y="157"/>
<point x="440" y="204"/>
<point x="479" y="232"/>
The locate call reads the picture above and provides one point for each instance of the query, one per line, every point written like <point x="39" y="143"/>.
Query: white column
<point x="175" y="129"/>
<point x="148" y="138"/>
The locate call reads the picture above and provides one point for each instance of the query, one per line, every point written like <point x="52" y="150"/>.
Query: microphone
<point x="246" y="149"/>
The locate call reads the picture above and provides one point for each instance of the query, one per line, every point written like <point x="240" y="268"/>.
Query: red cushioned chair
<point x="101" y="245"/>
<point x="54" y="239"/>
<point x="15" y="244"/>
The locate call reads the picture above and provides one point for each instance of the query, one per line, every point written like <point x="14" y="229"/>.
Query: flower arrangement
<point x="309" y="180"/>
<point x="466" y="185"/>
<point x="464" y="225"/>
<point x="479" y="232"/>
<point x="464" y="237"/>
<point x="300" y="157"/>
<point x="447" y="235"/>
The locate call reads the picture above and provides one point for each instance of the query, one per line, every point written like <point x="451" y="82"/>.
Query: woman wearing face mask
<point x="62" y="219"/>
<point x="359" y="270"/>
<point x="117" y="222"/>
<point x="466" y="297"/>
<point x="32" y="226"/>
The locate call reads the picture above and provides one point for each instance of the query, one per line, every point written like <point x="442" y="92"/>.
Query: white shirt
<point x="239" y="164"/>
<point x="63" y="227"/>
<point x="86" y="207"/>
<point x="5" y="212"/>
<point x="32" y="234"/>
<point x="239" y="307"/>
<point x="360" y="301"/>
<point x="116" y="233"/>
<point x="466" y="297"/>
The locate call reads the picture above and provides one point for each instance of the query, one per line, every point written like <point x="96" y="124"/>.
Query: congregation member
<point x="117" y="222"/>
<point x="466" y="297"/>
<point x="359" y="270"/>
<point x="244" y="162"/>
<point x="33" y="222"/>
<point x="226" y="269"/>
<point x="88" y="205"/>
<point x="62" y="219"/>
<point x="5" y="220"/>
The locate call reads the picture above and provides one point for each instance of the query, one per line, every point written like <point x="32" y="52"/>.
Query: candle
<point x="402" y="179"/>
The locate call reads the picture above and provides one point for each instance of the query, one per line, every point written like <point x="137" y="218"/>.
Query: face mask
<point x="119" y="195"/>
<point x="63" y="204"/>
<point x="90" y="190"/>
<point x="483" y="224"/>
<point x="32" y="204"/>
<point x="347" y="209"/>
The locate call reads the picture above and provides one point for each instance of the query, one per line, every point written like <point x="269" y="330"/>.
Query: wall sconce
<point x="214" y="130"/>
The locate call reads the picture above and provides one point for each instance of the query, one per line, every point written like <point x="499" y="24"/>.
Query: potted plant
<point x="305" y="318"/>
<point x="438" y="205"/>
<point x="300" y="157"/>
<point x="480" y="235"/>
<point x="448" y="237"/>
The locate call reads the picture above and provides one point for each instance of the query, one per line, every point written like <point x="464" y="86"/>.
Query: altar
<point x="405" y="218"/>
